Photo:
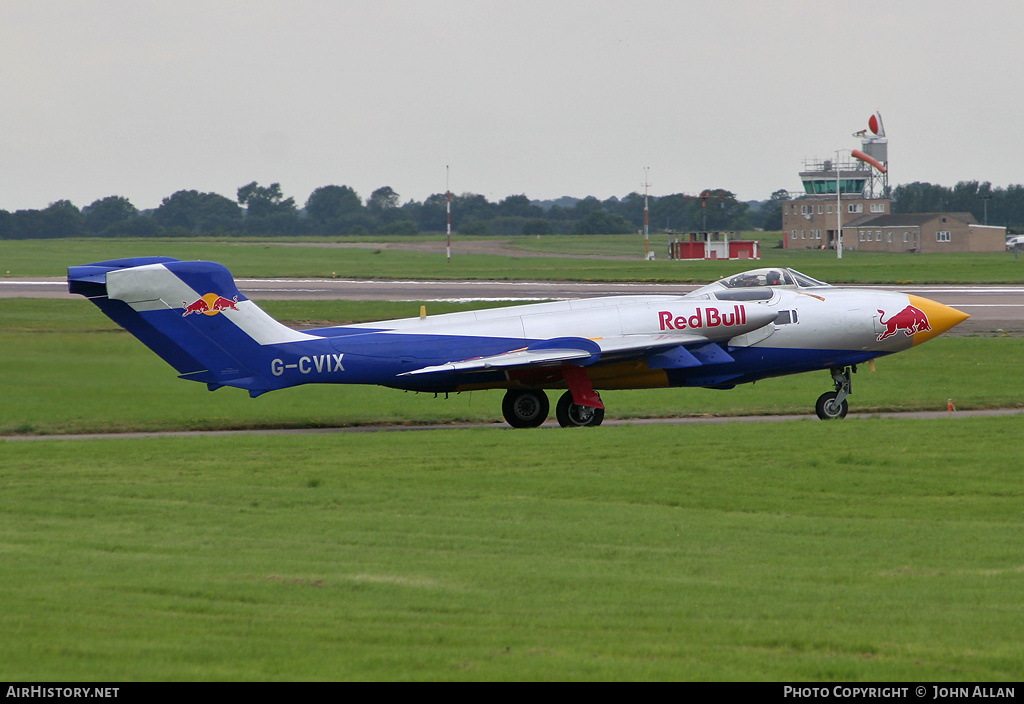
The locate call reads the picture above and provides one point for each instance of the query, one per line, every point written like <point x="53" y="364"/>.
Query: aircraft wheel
<point x="525" y="409"/>
<point x="828" y="409"/>
<point x="572" y="415"/>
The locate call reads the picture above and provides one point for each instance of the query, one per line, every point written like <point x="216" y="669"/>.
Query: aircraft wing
<point x="583" y="351"/>
<point x="631" y="344"/>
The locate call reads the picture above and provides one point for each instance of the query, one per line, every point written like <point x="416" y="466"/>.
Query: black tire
<point x="827" y="409"/>
<point x="525" y="409"/>
<point x="572" y="415"/>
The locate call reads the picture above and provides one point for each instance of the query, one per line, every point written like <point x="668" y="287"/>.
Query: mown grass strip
<point x="68" y="369"/>
<point x="875" y="550"/>
<point x="108" y="382"/>
<point x="319" y="259"/>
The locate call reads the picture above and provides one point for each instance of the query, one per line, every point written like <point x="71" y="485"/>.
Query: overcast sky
<point x="544" y="98"/>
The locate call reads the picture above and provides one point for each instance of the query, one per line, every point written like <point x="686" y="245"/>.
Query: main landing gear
<point x="525" y="409"/>
<point x="528" y="408"/>
<point x="575" y="415"/>
<point x="833" y="405"/>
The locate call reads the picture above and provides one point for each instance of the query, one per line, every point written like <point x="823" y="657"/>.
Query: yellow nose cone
<point x="940" y="318"/>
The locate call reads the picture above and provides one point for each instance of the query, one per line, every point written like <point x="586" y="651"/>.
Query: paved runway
<point x="992" y="308"/>
<point x="696" y="420"/>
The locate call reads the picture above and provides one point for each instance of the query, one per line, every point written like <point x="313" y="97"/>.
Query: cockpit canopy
<point x="746" y="286"/>
<point x="772" y="276"/>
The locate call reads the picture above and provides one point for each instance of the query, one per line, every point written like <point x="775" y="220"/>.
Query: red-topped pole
<point x="448" y="196"/>
<point x="647" y="237"/>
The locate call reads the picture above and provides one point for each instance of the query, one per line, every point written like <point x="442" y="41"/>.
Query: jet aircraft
<point x="758" y="324"/>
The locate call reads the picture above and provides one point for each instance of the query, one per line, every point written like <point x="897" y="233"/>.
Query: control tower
<point x="824" y="177"/>
<point x="857" y="185"/>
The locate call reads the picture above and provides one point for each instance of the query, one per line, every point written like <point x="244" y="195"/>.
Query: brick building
<point x="832" y="189"/>
<point x="811" y="220"/>
<point x="923" y="232"/>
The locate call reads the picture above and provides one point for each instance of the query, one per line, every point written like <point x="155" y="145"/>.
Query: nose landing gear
<point x="832" y="404"/>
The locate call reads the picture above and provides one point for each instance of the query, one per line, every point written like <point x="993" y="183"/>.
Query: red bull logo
<point x="910" y="320"/>
<point x="210" y="304"/>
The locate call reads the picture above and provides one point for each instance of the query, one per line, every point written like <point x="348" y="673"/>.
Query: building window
<point x="821" y="209"/>
<point x="878" y="207"/>
<point x="906" y="237"/>
<point x="888" y="237"/>
<point x="830" y="210"/>
<point x="878" y="235"/>
<point x="855" y="208"/>
<point x="861" y="235"/>
<point x="942" y="236"/>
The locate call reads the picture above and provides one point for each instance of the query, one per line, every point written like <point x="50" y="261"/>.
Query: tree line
<point x="265" y="211"/>
<point x="993" y="206"/>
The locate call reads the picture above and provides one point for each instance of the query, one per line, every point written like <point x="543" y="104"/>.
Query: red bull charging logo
<point x="210" y="304"/>
<point x="910" y="320"/>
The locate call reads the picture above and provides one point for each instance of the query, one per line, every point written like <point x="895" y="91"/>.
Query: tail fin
<point x="189" y="313"/>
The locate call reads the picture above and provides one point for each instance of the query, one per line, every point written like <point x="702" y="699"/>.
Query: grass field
<point x="52" y="257"/>
<point x="865" y="550"/>
<point x="874" y="550"/>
